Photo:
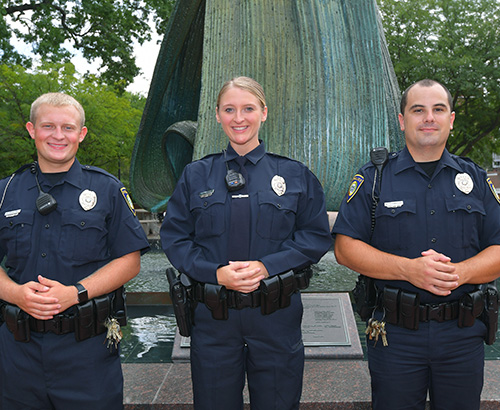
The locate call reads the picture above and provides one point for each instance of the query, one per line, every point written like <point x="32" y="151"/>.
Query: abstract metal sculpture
<point x="331" y="90"/>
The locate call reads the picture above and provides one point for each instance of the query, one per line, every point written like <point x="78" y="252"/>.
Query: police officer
<point x="234" y="219"/>
<point x="436" y="235"/>
<point x="70" y="237"/>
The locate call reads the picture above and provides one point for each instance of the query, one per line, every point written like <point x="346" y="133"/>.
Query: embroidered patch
<point x="357" y="181"/>
<point x="127" y="199"/>
<point x="493" y="190"/>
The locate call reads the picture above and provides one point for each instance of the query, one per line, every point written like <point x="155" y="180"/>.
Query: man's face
<point x="57" y="134"/>
<point x="426" y="122"/>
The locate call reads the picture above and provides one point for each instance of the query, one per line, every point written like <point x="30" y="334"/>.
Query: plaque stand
<point x="329" y="330"/>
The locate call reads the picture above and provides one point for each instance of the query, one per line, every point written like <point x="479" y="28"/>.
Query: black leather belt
<point x="59" y="324"/>
<point x="439" y="312"/>
<point x="235" y="300"/>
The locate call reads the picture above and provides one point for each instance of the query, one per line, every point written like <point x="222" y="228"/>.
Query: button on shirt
<point x="286" y="232"/>
<point x="69" y="243"/>
<point x="416" y="213"/>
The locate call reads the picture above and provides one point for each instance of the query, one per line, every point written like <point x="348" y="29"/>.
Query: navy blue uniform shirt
<point x="286" y="232"/>
<point x="416" y="213"/>
<point x="69" y="243"/>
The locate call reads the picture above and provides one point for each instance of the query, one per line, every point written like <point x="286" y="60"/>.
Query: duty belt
<point x="403" y="308"/>
<point x="85" y="320"/>
<point x="274" y="293"/>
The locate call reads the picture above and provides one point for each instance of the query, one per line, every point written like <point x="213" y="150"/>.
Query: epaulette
<point x="284" y="157"/>
<point x="100" y="171"/>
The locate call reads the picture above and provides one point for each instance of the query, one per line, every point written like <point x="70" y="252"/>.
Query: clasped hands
<point x="434" y="272"/>
<point x="243" y="276"/>
<point x="45" y="298"/>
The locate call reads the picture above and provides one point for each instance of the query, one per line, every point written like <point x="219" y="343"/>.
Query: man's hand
<point x="244" y="277"/>
<point x="33" y="299"/>
<point x="433" y="272"/>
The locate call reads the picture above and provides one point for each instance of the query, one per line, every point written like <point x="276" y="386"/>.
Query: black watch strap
<point x="83" y="295"/>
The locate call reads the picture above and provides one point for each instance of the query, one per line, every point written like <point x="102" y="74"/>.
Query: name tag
<point x="12" y="214"/>
<point x="394" y="204"/>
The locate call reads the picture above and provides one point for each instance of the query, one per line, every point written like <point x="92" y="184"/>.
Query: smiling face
<point x="426" y="122"/>
<point x="240" y="113"/>
<point x="57" y="132"/>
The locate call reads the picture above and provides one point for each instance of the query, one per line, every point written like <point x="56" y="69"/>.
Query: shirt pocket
<point x="83" y="236"/>
<point x="276" y="215"/>
<point x="395" y="222"/>
<point x="16" y="235"/>
<point x="465" y="218"/>
<point x="208" y="214"/>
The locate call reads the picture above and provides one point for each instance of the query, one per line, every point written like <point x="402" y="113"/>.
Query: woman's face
<point x="240" y="115"/>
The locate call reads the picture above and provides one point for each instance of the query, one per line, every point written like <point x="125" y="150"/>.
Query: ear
<point x="31" y="129"/>
<point x="264" y="114"/>
<point x="217" y="114"/>
<point x="83" y="133"/>
<point x="401" y="119"/>
<point x="452" y="120"/>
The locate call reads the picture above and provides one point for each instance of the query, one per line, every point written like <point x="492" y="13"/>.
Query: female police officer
<point x="234" y="219"/>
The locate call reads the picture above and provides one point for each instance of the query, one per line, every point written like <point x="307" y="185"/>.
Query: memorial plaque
<point x="324" y="321"/>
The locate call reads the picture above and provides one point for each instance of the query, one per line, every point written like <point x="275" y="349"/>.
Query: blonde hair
<point x="247" y="84"/>
<point x="56" y="100"/>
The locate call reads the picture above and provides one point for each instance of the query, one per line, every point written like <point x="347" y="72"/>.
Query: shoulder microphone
<point x="45" y="203"/>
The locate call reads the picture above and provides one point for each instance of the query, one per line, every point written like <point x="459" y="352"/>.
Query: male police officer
<point x="71" y="240"/>
<point x="435" y="235"/>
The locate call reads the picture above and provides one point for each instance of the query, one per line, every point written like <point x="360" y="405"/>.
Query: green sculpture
<point x="331" y="90"/>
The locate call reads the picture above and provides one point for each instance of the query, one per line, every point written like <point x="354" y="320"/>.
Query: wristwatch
<point x="83" y="295"/>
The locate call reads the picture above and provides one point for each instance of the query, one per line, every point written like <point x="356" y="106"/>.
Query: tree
<point x="458" y="44"/>
<point x="102" y="30"/>
<point x="112" y="118"/>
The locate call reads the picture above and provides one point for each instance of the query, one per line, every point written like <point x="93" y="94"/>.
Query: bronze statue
<point x="323" y="63"/>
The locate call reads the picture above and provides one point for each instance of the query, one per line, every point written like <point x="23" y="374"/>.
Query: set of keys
<point x="376" y="329"/>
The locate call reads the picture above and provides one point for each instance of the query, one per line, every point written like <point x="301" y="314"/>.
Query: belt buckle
<point x="53" y="325"/>
<point x="243" y="300"/>
<point x="435" y="312"/>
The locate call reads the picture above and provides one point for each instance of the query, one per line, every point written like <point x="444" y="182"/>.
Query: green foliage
<point x="102" y="30"/>
<point x="458" y="44"/>
<point x="112" y="118"/>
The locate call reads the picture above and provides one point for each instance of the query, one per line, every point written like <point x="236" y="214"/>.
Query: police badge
<point x="278" y="184"/>
<point x="88" y="199"/>
<point x="464" y="183"/>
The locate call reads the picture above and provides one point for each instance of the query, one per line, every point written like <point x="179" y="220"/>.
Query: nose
<point x="429" y="117"/>
<point x="238" y="116"/>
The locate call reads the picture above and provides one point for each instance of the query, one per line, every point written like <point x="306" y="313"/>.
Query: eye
<point x="228" y="110"/>
<point x="249" y="109"/>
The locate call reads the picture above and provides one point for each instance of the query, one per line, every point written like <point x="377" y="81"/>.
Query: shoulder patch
<point x="126" y="196"/>
<point x="357" y="181"/>
<point x="493" y="190"/>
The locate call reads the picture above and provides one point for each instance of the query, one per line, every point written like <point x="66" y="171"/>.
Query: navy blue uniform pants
<point x="56" y="372"/>
<point x="439" y="358"/>
<point x="268" y="349"/>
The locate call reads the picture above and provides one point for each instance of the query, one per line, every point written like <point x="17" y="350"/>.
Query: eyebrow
<point x="422" y="106"/>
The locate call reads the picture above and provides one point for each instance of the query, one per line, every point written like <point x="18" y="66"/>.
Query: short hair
<point x="247" y="84"/>
<point x="56" y="100"/>
<point x="424" y="83"/>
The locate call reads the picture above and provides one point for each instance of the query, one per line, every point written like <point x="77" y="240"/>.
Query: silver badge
<point x="278" y="184"/>
<point x="464" y="183"/>
<point x="88" y="199"/>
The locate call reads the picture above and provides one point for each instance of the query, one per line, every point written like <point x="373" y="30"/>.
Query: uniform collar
<point x="253" y="156"/>
<point x="74" y="176"/>
<point x="405" y="161"/>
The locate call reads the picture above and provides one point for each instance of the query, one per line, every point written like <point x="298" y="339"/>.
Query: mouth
<point x="240" y="128"/>
<point x="57" y="146"/>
